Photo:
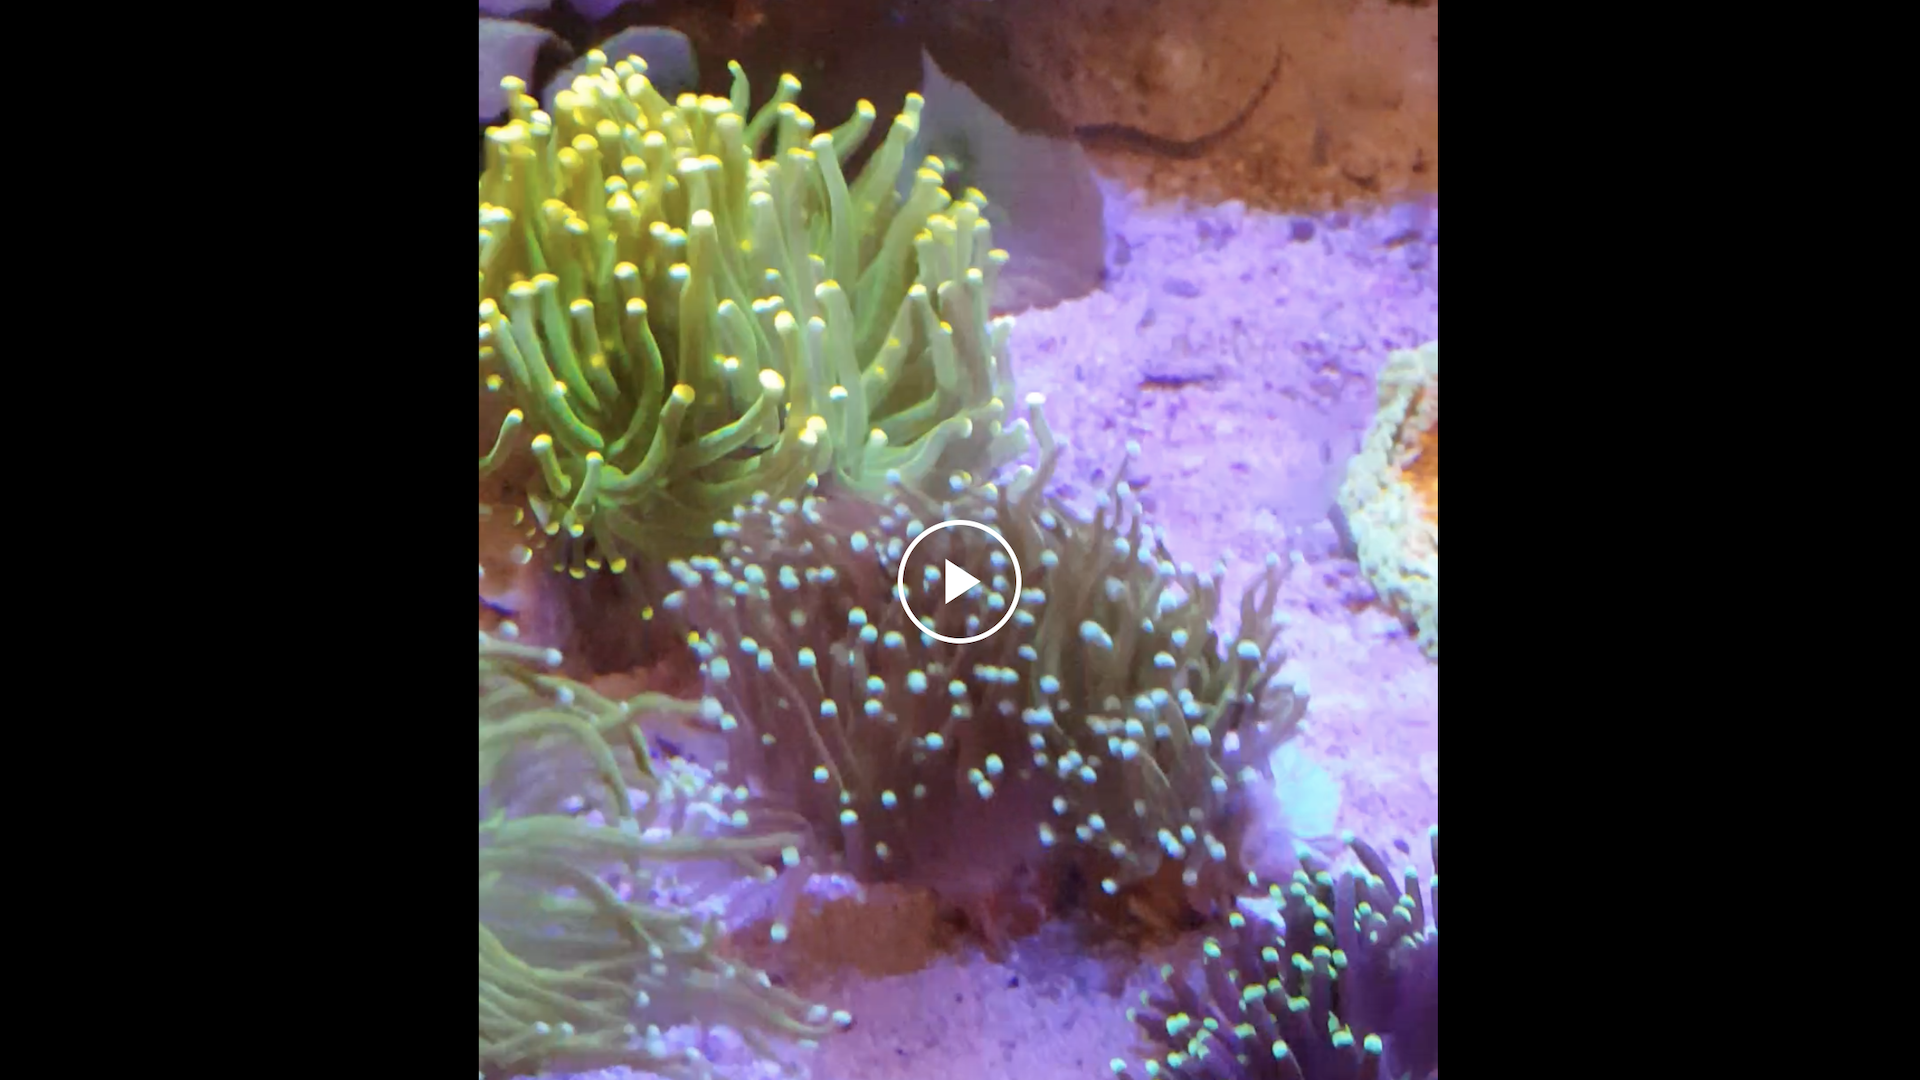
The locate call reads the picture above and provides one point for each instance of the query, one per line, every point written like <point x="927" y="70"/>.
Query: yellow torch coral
<point x="671" y="324"/>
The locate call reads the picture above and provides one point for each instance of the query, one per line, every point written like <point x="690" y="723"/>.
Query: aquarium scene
<point x="959" y="539"/>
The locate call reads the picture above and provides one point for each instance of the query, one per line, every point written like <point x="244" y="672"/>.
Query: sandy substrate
<point x="1239" y="349"/>
<point x="1272" y="327"/>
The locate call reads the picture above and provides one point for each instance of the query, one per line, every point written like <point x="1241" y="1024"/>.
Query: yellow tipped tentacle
<point x="679" y="323"/>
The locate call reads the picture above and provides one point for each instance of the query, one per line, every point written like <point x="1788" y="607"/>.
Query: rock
<point x="671" y="65"/>
<point x="1042" y="202"/>
<point x="504" y="8"/>
<point x="506" y="48"/>
<point x="1391" y="497"/>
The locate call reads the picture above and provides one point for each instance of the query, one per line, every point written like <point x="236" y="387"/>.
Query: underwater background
<point x="1162" y="309"/>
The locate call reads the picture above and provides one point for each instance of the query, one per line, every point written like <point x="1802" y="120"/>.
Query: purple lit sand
<point x="1290" y="320"/>
<point x="1239" y="349"/>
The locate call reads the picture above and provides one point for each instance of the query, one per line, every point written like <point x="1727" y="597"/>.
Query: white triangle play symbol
<point x="958" y="581"/>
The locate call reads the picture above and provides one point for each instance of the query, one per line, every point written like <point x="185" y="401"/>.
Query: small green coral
<point x="1342" y="982"/>
<point x="675" y="324"/>
<point x="584" y="963"/>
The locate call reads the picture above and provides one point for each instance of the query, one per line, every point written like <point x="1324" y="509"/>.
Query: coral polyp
<point x="584" y="961"/>
<point x="671" y="324"/>
<point x="1106" y="728"/>
<point x="1342" y="984"/>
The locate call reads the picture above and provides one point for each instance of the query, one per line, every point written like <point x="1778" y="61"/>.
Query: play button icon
<point x="958" y="581"/>
<point x="1000" y="596"/>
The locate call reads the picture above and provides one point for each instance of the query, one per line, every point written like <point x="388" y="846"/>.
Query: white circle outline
<point x="900" y="581"/>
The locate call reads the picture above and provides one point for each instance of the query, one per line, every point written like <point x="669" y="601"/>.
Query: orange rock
<point x="1391" y="496"/>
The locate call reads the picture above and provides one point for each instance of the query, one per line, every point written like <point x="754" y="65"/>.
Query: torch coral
<point x="584" y="960"/>
<point x="1391" y="497"/>
<point x="1103" y="722"/>
<point x="1349" y="989"/>
<point x="671" y="324"/>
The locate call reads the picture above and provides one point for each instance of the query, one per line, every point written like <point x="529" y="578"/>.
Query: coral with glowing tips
<point x="591" y="950"/>
<point x="1347" y="987"/>
<point x="1105" y="728"/>
<point x="671" y="324"/>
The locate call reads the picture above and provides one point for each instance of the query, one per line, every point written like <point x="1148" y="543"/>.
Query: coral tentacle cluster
<point x="671" y="323"/>
<point x="1342" y="984"/>
<point x="584" y="963"/>
<point x="1107" y="728"/>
